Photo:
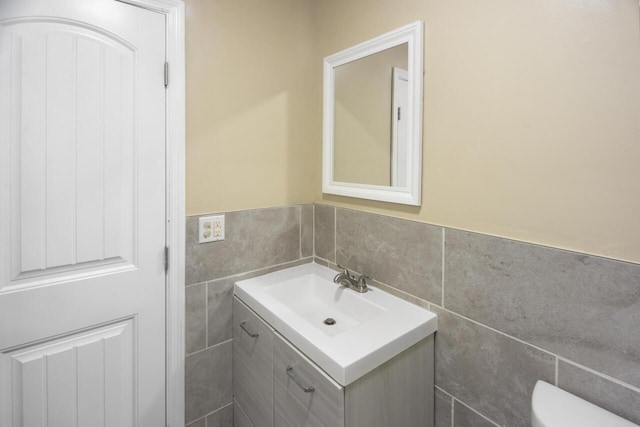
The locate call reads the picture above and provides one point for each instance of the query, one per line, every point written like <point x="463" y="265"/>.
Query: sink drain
<point x="329" y="321"/>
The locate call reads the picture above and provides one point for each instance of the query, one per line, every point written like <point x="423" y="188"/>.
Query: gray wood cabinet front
<point x="303" y="395"/>
<point x="253" y="365"/>
<point x="276" y="385"/>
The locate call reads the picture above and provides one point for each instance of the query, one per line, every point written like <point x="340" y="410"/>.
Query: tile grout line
<point x="205" y="416"/>
<point x="400" y="291"/>
<point x="453" y="399"/>
<point x="443" y="249"/>
<point x="313" y="231"/>
<point x="335" y="235"/>
<point x="325" y="260"/>
<point x="300" y="232"/>
<point x="496" y="331"/>
<point x="600" y="374"/>
<point x="251" y="271"/>
<point x="478" y="413"/>
<point x="198" y="283"/>
<point x="452" y="413"/>
<point x="443" y="390"/>
<point x="219" y="409"/>
<point x="209" y="348"/>
<point x="206" y="316"/>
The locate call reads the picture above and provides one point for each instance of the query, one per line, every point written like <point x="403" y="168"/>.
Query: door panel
<point x="73" y="187"/>
<point x="89" y="374"/>
<point x="82" y="214"/>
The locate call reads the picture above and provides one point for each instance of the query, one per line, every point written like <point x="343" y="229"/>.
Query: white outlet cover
<point x="210" y="228"/>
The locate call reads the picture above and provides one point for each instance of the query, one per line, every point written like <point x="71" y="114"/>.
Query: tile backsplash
<point x="583" y="308"/>
<point x="509" y="312"/>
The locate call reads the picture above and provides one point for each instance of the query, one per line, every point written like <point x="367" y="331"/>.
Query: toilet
<point x="553" y="407"/>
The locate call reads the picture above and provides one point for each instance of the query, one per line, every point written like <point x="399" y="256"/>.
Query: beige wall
<point x="249" y="104"/>
<point x="362" y="118"/>
<point x="531" y="116"/>
<point x="532" y="112"/>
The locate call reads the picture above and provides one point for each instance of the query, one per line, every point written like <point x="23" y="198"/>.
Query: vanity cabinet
<point x="252" y="365"/>
<point x="277" y="385"/>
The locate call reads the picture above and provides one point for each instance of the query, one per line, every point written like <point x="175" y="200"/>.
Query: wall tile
<point x="208" y="381"/>
<point x="492" y="373"/>
<point x="463" y="416"/>
<point x="324" y="232"/>
<point x="306" y="230"/>
<point x="443" y="404"/>
<point x="613" y="397"/>
<point x="402" y="295"/>
<point x="221" y="418"/>
<point x="404" y="254"/>
<point x="196" y="318"/>
<point x="220" y="301"/>
<point x="582" y="307"/>
<point x="253" y="239"/>
<point x="219" y="311"/>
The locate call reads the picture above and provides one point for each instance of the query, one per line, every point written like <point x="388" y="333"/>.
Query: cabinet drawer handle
<point x="251" y="334"/>
<point x="307" y="389"/>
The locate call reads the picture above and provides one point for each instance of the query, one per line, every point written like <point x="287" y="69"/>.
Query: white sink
<point x="369" y="328"/>
<point x="309" y="297"/>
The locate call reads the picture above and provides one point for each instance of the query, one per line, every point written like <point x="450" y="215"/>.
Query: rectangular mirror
<point x="372" y="118"/>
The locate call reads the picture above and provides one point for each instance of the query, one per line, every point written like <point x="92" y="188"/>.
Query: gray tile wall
<point x="384" y="247"/>
<point x="510" y="313"/>
<point x="256" y="242"/>
<point x="584" y="308"/>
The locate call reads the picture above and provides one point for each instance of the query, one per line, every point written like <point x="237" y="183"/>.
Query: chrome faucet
<point x="349" y="280"/>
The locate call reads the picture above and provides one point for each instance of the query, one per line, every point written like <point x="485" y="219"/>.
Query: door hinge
<point x="166" y="74"/>
<point x="166" y="259"/>
<point x="398" y="113"/>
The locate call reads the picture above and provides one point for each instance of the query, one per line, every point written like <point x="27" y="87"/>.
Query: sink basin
<point x="346" y="333"/>
<point x="309" y="297"/>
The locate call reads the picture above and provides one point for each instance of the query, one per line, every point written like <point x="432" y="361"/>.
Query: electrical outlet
<point x="210" y="228"/>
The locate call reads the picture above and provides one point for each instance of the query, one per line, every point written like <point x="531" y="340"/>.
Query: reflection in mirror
<point x="372" y="118"/>
<point x="370" y="133"/>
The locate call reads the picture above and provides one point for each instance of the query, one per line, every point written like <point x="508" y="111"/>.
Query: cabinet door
<point x="304" y="395"/>
<point x="253" y="365"/>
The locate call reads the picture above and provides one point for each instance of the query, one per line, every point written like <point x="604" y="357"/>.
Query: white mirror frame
<point x="411" y="34"/>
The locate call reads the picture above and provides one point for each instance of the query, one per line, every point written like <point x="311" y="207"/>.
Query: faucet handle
<point x="345" y="271"/>
<point x="362" y="281"/>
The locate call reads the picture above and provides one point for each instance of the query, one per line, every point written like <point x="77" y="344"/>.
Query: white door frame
<point x="174" y="11"/>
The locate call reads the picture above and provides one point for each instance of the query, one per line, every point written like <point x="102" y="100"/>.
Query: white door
<point x="399" y="109"/>
<point x="82" y="214"/>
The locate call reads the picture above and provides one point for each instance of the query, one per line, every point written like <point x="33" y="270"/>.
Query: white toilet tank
<point x="553" y="407"/>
